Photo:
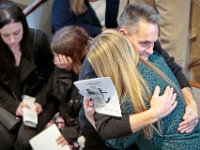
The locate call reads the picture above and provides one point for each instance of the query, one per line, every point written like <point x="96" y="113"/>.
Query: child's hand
<point x="61" y="141"/>
<point x="63" y="62"/>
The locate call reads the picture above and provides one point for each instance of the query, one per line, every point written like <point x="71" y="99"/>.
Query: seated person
<point x="26" y="63"/>
<point x="151" y="115"/>
<point x="69" y="46"/>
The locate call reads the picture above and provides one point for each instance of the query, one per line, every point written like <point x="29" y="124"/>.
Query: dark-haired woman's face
<point x="12" y="34"/>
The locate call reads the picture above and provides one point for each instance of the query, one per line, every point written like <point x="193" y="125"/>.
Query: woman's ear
<point x="123" y="31"/>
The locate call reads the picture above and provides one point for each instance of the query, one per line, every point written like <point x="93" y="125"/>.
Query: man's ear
<point x="123" y="31"/>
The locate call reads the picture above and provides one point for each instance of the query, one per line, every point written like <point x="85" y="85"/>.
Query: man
<point x="142" y="30"/>
<point x="174" y="28"/>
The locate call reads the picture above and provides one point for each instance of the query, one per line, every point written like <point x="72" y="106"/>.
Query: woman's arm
<point x="110" y="127"/>
<point x="160" y="106"/>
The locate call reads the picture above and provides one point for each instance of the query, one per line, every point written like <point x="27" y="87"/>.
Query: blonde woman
<point x="156" y="112"/>
<point x="80" y="13"/>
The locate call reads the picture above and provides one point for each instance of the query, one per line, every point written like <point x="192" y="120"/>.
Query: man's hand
<point x="190" y="118"/>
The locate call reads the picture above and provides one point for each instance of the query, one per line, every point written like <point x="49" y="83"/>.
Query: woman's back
<point x="168" y="137"/>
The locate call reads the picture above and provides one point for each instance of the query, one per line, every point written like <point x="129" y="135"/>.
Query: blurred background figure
<point x="80" y="13"/>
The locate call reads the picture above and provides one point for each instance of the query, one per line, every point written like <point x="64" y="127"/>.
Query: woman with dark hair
<point x="26" y="63"/>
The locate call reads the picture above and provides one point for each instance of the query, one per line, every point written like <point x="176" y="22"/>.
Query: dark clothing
<point x="69" y="102"/>
<point x="32" y="74"/>
<point x="62" y="15"/>
<point x="29" y="78"/>
<point x="112" y="7"/>
<point x="88" y="130"/>
<point x="176" y="69"/>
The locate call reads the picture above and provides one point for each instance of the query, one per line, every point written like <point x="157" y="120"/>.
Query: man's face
<point x="143" y="40"/>
<point x="12" y="34"/>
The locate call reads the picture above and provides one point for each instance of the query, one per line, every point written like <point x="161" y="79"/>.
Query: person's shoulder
<point x="60" y="7"/>
<point x="33" y="31"/>
<point x="61" y="3"/>
<point x="64" y="73"/>
<point x="157" y="47"/>
<point x="39" y="36"/>
<point x="87" y="70"/>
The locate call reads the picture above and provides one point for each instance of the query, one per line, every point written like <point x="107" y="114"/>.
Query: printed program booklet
<point x="46" y="140"/>
<point x="104" y="94"/>
<point x="30" y="117"/>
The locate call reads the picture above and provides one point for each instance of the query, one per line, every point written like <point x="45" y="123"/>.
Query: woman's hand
<point x="38" y="108"/>
<point x="19" y="111"/>
<point x="164" y="104"/>
<point x="88" y="105"/>
<point x="63" y="62"/>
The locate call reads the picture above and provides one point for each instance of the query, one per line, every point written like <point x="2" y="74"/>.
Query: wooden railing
<point x="32" y="6"/>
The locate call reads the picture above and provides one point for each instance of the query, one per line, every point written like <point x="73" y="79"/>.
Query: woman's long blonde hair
<point x="112" y="55"/>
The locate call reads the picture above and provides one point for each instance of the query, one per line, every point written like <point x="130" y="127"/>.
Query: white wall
<point x="40" y="18"/>
<point x="23" y="2"/>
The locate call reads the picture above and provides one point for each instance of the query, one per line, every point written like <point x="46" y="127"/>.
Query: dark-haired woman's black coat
<point x="31" y="78"/>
